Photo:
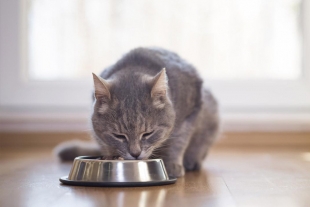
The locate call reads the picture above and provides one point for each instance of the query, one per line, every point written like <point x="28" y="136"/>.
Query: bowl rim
<point x="93" y="159"/>
<point x="65" y="180"/>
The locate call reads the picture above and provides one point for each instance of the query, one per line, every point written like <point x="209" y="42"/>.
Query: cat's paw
<point x="192" y="166"/>
<point x="174" y="170"/>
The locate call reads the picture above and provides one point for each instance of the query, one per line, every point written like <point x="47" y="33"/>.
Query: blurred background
<point x="254" y="55"/>
<point x="224" y="39"/>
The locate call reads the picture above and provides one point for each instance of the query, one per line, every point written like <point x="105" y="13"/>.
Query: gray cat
<point x="151" y="104"/>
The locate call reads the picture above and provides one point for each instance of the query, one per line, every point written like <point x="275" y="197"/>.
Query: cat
<point x="151" y="104"/>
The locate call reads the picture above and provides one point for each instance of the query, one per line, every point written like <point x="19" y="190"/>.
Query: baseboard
<point x="39" y="139"/>
<point x="286" y="139"/>
<point x="265" y="139"/>
<point x="44" y="122"/>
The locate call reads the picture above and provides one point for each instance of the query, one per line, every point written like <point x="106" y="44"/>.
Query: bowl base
<point x="65" y="181"/>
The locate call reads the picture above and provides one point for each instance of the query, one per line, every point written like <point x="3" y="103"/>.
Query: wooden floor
<point x="231" y="177"/>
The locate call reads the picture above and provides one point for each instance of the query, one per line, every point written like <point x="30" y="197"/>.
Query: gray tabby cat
<point x="151" y="104"/>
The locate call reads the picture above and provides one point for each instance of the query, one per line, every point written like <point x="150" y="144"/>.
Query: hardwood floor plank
<point x="257" y="176"/>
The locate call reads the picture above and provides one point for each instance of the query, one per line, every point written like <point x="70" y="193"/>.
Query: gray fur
<point x="185" y="125"/>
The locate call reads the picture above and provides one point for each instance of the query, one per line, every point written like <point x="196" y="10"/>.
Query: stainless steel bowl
<point x="92" y="171"/>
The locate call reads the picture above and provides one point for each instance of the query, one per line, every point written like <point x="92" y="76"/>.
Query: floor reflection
<point x="195" y="188"/>
<point x="119" y="197"/>
<point x="199" y="188"/>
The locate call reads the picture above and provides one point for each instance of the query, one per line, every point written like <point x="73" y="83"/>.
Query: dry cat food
<point x="113" y="158"/>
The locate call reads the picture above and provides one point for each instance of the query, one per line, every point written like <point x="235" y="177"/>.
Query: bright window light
<point x="224" y="39"/>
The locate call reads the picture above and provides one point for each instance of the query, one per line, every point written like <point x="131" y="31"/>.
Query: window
<point x="253" y="54"/>
<point x="236" y="39"/>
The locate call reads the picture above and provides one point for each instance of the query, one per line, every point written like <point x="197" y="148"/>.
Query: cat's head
<point x="133" y="114"/>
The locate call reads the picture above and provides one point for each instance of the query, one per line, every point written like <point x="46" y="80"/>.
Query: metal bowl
<point x="91" y="171"/>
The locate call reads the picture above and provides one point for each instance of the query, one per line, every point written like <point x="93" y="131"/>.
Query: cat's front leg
<point x="174" y="169"/>
<point x="174" y="149"/>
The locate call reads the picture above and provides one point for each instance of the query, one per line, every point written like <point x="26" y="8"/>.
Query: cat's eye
<point x="145" y="135"/>
<point x="119" y="136"/>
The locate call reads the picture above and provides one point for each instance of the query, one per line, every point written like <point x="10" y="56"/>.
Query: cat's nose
<point x="135" y="154"/>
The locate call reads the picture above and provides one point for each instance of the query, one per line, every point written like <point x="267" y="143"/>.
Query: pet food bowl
<point x="92" y="171"/>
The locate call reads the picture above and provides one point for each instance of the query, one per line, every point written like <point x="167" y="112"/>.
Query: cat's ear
<point x="160" y="89"/>
<point x="101" y="88"/>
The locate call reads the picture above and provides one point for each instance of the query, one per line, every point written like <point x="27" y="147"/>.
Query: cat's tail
<point x="67" y="151"/>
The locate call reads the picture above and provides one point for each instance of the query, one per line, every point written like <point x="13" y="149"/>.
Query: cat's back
<point x="184" y="82"/>
<point x="153" y="59"/>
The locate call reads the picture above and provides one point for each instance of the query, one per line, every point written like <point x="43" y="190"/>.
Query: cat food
<point x="113" y="158"/>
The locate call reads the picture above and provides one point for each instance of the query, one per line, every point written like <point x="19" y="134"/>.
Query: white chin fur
<point x="129" y="157"/>
<point x="142" y="156"/>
